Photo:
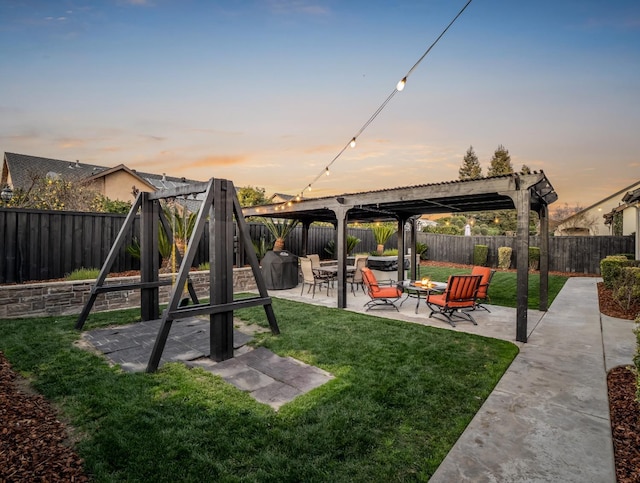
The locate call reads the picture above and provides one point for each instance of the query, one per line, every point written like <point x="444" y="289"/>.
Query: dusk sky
<point x="267" y="93"/>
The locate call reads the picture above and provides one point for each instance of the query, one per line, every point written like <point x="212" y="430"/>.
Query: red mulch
<point x="33" y="444"/>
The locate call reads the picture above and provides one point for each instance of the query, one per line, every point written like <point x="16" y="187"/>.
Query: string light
<point x="326" y="170"/>
<point x="399" y="88"/>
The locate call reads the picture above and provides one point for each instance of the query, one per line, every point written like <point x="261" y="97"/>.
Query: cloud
<point x="297" y="7"/>
<point x="138" y="3"/>
<point x="68" y="143"/>
<point x="215" y="160"/>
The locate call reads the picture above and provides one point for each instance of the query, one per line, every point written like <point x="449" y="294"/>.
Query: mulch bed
<point x="33" y="443"/>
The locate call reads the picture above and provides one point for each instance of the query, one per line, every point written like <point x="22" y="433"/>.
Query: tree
<point x="565" y="211"/>
<point x="525" y="169"/>
<point x="250" y="196"/>
<point x="470" y="168"/>
<point x="500" y="163"/>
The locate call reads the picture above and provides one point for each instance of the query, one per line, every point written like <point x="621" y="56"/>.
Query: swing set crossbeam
<point x="205" y="309"/>
<point x="179" y="191"/>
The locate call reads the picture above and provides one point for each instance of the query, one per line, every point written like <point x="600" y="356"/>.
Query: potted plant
<point x="382" y="233"/>
<point x="280" y="229"/>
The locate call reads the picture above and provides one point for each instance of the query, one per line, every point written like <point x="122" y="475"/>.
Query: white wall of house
<point x="629" y="220"/>
<point x="590" y="221"/>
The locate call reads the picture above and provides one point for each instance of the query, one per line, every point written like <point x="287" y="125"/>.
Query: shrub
<point x="627" y="287"/>
<point x="422" y="249"/>
<point x="504" y="257"/>
<point x="83" y="274"/>
<point x="480" y="255"/>
<point x="611" y="268"/>
<point x="204" y="266"/>
<point x="636" y="357"/>
<point x="534" y="258"/>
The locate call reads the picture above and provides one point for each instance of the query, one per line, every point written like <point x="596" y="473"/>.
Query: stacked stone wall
<point x="68" y="298"/>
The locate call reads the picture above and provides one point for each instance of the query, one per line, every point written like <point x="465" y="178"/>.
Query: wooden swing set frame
<point x="220" y="205"/>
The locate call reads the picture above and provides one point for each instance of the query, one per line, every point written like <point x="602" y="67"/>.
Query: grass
<point x="402" y="395"/>
<point x="502" y="290"/>
<point x="83" y="274"/>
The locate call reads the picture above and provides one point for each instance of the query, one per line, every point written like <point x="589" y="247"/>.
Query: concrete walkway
<point x="548" y="417"/>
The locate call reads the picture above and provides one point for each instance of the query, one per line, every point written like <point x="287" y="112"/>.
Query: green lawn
<point x="402" y="395"/>
<point x="502" y="290"/>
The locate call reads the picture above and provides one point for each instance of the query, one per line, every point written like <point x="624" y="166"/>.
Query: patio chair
<point x="380" y="295"/>
<point x="457" y="300"/>
<point x="483" y="291"/>
<point x="355" y="278"/>
<point x="310" y="277"/>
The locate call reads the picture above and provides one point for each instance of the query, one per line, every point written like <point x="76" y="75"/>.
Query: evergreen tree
<point x="525" y="169"/>
<point x="500" y="163"/>
<point x="470" y="168"/>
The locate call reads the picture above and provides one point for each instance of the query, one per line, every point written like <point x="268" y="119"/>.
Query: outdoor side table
<point x="415" y="289"/>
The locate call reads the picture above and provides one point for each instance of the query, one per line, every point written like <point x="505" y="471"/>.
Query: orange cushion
<point x="387" y="292"/>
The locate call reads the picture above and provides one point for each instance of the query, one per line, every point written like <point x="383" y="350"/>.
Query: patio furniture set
<point x="449" y="301"/>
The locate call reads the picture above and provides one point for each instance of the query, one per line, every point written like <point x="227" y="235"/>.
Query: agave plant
<point x="280" y="229"/>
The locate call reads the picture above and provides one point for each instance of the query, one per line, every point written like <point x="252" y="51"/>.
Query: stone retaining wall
<point x="68" y="298"/>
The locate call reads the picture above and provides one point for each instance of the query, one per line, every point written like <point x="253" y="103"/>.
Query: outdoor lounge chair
<point x="483" y="291"/>
<point x="311" y="277"/>
<point x="380" y="295"/>
<point x="457" y="300"/>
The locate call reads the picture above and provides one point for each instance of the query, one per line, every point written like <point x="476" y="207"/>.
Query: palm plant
<point x="352" y="241"/>
<point x="280" y="229"/>
<point x="382" y="233"/>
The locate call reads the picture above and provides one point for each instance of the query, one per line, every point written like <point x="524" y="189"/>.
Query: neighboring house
<point x="591" y="221"/>
<point x="625" y="219"/>
<point x="118" y="183"/>
<point x="281" y="198"/>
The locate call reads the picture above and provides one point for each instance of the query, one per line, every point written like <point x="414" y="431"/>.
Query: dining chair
<point x="355" y="278"/>
<point x="311" y="277"/>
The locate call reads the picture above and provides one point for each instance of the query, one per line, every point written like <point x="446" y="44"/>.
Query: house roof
<point x="23" y="168"/>
<point x="614" y="195"/>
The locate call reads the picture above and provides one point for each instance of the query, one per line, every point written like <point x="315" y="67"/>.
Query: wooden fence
<point x="578" y="254"/>
<point x="42" y="245"/>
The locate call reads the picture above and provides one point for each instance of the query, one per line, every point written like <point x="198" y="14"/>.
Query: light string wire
<point x="397" y="89"/>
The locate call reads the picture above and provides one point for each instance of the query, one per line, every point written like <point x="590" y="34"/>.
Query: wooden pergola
<point x="522" y="192"/>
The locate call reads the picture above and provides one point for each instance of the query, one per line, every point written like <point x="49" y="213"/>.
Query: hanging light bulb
<point x="326" y="171"/>
<point x="401" y="84"/>
<point x="298" y="197"/>
<point x="309" y="187"/>
<point x="353" y="143"/>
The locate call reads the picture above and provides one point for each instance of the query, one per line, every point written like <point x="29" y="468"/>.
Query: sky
<point x="267" y="93"/>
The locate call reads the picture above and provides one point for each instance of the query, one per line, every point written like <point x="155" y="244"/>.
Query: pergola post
<point x="522" y="201"/>
<point x="306" y="224"/>
<point x="543" y="213"/>
<point x="341" y="248"/>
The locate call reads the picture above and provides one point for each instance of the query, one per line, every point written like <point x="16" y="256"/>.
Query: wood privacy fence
<point x="578" y="254"/>
<point x="41" y="245"/>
